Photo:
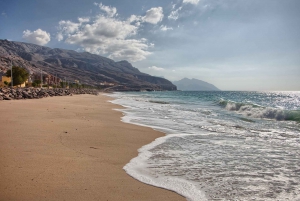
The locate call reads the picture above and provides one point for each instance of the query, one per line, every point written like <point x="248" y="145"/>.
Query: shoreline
<point x="71" y="148"/>
<point x="135" y="167"/>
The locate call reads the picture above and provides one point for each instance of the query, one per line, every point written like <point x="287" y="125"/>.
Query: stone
<point x="30" y="93"/>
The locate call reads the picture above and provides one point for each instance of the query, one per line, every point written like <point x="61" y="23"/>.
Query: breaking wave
<point x="257" y="111"/>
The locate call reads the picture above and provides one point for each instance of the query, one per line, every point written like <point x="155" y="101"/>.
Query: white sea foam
<point x="257" y="111"/>
<point x="139" y="169"/>
<point x="217" y="155"/>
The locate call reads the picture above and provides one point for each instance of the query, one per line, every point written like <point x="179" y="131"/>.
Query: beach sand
<point x="70" y="148"/>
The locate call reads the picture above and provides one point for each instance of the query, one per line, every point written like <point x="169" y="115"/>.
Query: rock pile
<point x="34" y="93"/>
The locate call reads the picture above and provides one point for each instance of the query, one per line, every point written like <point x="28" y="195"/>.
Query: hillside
<point x="88" y="68"/>
<point x="194" y="85"/>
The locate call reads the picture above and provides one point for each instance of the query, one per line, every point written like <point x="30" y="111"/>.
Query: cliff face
<point x="87" y="68"/>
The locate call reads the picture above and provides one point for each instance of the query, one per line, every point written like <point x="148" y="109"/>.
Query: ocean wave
<point x="258" y="111"/>
<point x="158" y="102"/>
<point x="211" y="154"/>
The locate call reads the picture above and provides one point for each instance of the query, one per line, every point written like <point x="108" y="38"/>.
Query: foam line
<point x="137" y="168"/>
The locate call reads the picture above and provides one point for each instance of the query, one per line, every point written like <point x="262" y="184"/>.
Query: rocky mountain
<point x="88" y="68"/>
<point x="194" y="85"/>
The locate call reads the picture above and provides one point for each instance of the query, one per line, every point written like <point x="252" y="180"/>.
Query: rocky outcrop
<point x="35" y="93"/>
<point x="88" y="68"/>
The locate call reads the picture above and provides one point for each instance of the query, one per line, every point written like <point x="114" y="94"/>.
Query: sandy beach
<point x="71" y="148"/>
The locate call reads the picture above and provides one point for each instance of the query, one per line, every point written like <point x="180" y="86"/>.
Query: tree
<point x="36" y="83"/>
<point x="20" y="75"/>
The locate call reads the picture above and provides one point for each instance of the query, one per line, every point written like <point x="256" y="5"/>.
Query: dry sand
<point x="70" y="148"/>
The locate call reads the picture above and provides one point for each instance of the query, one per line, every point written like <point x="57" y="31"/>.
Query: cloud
<point x="183" y="10"/>
<point x="165" y="28"/>
<point x="156" y="68"/>
<point x="59" y="36"/>
<point x="194" y="2"/>
<point x="107" y="35"/>
<point x="134" y="18"/>
<point x="132" y="50"/>
<point x="38" y="37"/>
<point x="180" y="11"/>
<point x="110" y="11"/>
<point x="111" y="36"/>
<point x="174" y="15"/>
<point x="69" y="27"/>
<point x="154" y="15"/>
<point x="83" y="20"/>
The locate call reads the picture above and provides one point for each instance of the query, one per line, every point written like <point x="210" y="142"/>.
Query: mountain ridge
<point x="88" y="68"/>
<point x="193" y="84"/>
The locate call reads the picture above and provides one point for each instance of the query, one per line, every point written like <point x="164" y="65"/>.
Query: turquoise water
<point x="219" y="145"/>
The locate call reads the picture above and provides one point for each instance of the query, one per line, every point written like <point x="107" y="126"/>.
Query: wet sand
<point x="70" y="148"/>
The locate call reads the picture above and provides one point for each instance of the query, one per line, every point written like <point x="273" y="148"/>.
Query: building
<point x="4" y="79"/>
<point x="106" y="84"/>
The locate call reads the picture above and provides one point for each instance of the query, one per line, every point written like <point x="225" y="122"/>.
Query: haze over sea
<point x="219" y="145"/>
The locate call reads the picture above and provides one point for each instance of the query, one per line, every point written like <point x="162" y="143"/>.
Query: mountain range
<point x="88" y="68"/>
<point x="194" y="85"/>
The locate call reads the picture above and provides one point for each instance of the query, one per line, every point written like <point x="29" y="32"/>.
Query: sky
<point x="233" y="44"/>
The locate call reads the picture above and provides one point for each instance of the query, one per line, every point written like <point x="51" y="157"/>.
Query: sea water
<point x="218" y="145"/>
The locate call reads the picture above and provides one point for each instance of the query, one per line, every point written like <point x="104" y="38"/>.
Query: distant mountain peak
<point x="193" y="84"/>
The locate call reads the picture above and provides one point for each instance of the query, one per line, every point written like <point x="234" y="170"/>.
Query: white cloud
<point x="136" y="19"/>
<point x="156" y="68"/>
<point x="38" y="37"/>
<point x="68" y="27"/>
<point x="182" y="10"/>
<point x="165" y="28"/>
<point x="110" y="11"/>
<point x="194" y="2"/>
<point x="154" y="15"/>
<point x="83" y="20"/>
<point x="111" y="36"/>
<point x="174" y="15"/>
<point x="106" y="35"/>
<point x="132" y="50"/>
<point x="59" y="36"/>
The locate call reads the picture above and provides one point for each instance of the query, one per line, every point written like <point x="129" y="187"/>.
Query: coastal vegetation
<point x="20" y="75"/>
<point x="36" y="83"/>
